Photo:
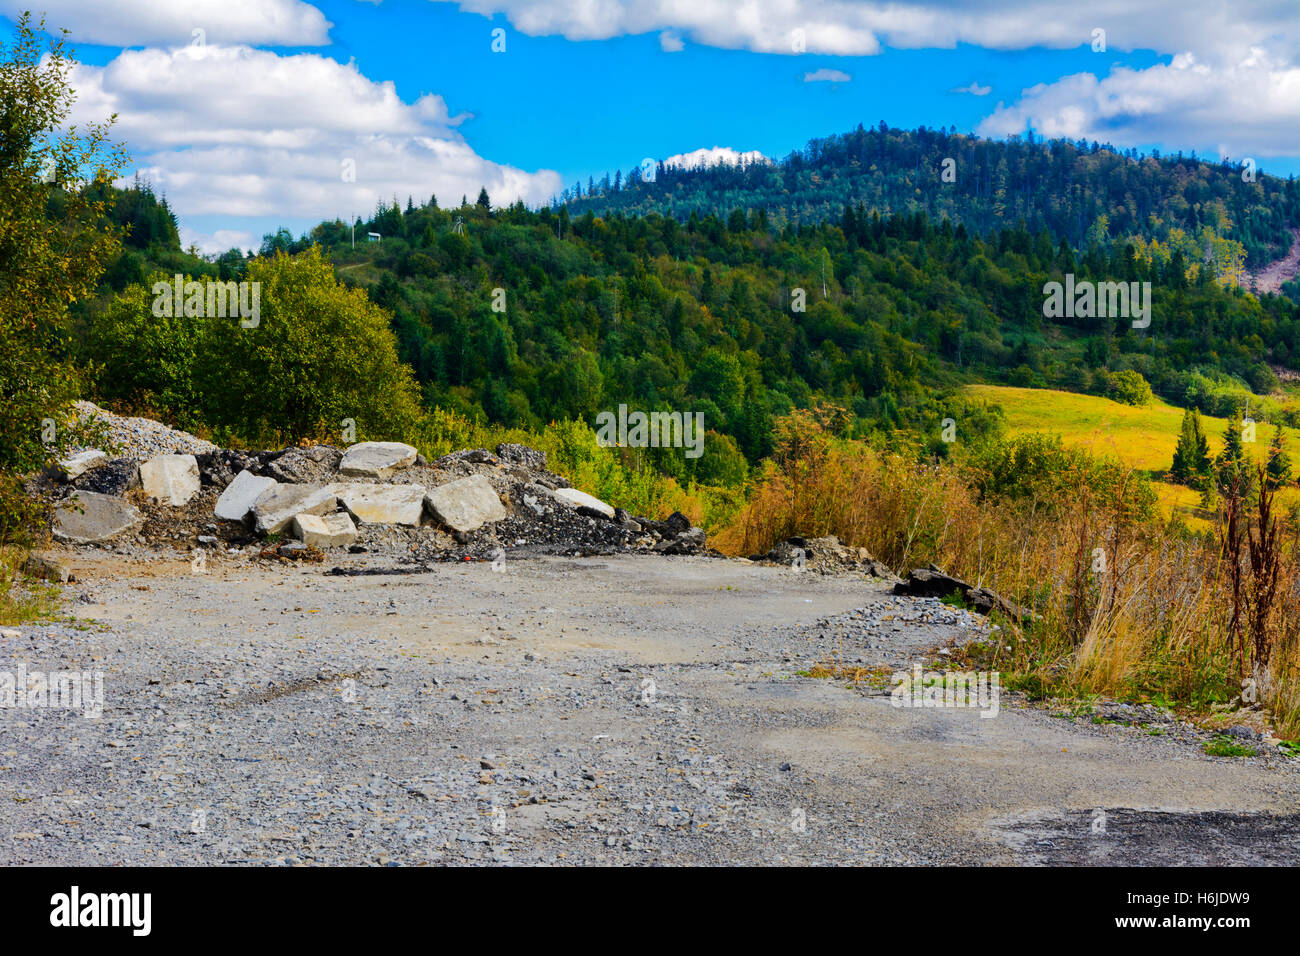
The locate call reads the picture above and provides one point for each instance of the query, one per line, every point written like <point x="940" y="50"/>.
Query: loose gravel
<point x="140" y="438"/>
<point x="620" y="710"/>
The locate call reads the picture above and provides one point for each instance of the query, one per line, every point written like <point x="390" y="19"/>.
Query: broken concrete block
<point x="576" y="498"/>
<point x="376" y="459"/>
<point x="80" y="463"/>
<point x="240" y="495"/>
<point x="172" y="479"/>
<point x="465" y="504"/>
<point x="325" y="531"/>
<point x="278" y="506"/>
<point x="382" y="504"/>
<point x="89" y="518"/>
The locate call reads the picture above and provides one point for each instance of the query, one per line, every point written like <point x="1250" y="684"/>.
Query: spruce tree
<point x="1279" y="462"/>
<point x="1232" y="469"/>
<point x="1192" y="456"/>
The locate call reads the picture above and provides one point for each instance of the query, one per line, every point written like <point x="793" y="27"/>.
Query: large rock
<point x="576" y="498"/>
<point x="376" y="459"/>
<point x="173" y="479"/>
<point x="325" y="531"/>
<point x="986" y="601"/>
<point x="465" y="504"/>
<point x="278" y="506"/>
<point x="89" y="518"/>
<point x="382" y="504"/>
<point x="240" y="495"/>
<point x="80" y="463"/>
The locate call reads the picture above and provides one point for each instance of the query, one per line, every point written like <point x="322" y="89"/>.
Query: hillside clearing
<point x="1143" y="437"/>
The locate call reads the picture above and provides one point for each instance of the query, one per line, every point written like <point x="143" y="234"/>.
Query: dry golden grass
<point x="1153" y="624"/>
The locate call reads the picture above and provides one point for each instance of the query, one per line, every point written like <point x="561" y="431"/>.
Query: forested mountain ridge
<point x="523" y="317"/>
<point x="1080" y="192"/>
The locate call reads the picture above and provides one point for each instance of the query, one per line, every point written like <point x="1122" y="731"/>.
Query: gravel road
<point x="628" y="710"/>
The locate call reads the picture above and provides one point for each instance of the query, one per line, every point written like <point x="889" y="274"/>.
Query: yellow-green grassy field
<point x="1143" y="437"/>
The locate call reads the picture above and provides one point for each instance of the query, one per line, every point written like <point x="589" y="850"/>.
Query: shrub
<point x="1130" y="388"/>
<point x="321" y="353"/>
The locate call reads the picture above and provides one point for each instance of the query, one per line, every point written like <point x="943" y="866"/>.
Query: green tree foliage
<point x="1041" y="470"/>
<point x="724" y="313"/>
<point x="1129" y="387"/>
<point x="1073" y="191"/>
<point x="1233" y="469"/>
<point x="1279" y="462"/>
<point x="320" y="353"/>
<point x="55" y="238"/>
<point x="1192" y="455"/>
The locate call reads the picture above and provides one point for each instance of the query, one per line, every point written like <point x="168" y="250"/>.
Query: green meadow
<point x="1144" y="437"/>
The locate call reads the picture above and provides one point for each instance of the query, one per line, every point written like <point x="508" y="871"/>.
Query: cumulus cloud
<point x="1251" y="107"/>
<point x="243" y="132"/>
<point x="221" y="240"/>
<point x="827" y="76"/>
<point x="168" y="23"/>
<point x="717" y="156"/>
<point x="1209" y="28"/>
<point x="974" y="89"/>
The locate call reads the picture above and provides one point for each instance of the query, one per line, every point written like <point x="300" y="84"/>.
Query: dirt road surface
<point x="621" y="710"/>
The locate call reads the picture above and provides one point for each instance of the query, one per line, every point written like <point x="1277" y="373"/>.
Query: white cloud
<point x="765" y="27"/>
<point x="1209" y="28"/>
<point x="219" y="241"/>
<point x="241" y="132"/>
<point x="827" y="76"/>
<point x="670" y="42"/>
<point x="717" y="156"/>
<point x="169" y="23"/>
<point x="974" y="89"/>
<point x="1249" y="108"/>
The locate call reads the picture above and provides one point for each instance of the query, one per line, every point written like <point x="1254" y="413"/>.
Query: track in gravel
<point x="621" y="710"/>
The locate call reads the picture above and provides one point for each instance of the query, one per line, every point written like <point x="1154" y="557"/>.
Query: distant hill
<point x="1078" y="191"/>
<point x="522" y="317"/>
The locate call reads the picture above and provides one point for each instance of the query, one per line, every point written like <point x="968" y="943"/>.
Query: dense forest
<point x="521" y="317"/>
<point x="1078" y="191"/>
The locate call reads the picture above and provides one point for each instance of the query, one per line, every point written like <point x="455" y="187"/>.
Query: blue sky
<point x="248" y="130"/>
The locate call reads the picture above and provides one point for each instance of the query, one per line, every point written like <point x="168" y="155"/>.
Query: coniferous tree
<point x="1279" y="462"/>
<point x="1232" y="468"/>
<point x="1192" y="456"/>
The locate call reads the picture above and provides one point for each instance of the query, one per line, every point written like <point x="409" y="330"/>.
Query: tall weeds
<point x="1127" y="604"/>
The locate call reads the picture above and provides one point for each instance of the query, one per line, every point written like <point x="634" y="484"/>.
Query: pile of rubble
<point x="372" y="496"/>
<point x="825" y="556"/>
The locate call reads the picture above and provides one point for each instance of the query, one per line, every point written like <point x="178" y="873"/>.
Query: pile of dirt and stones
<point x="824" y="556"/>
<point x="302" y="502"/>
